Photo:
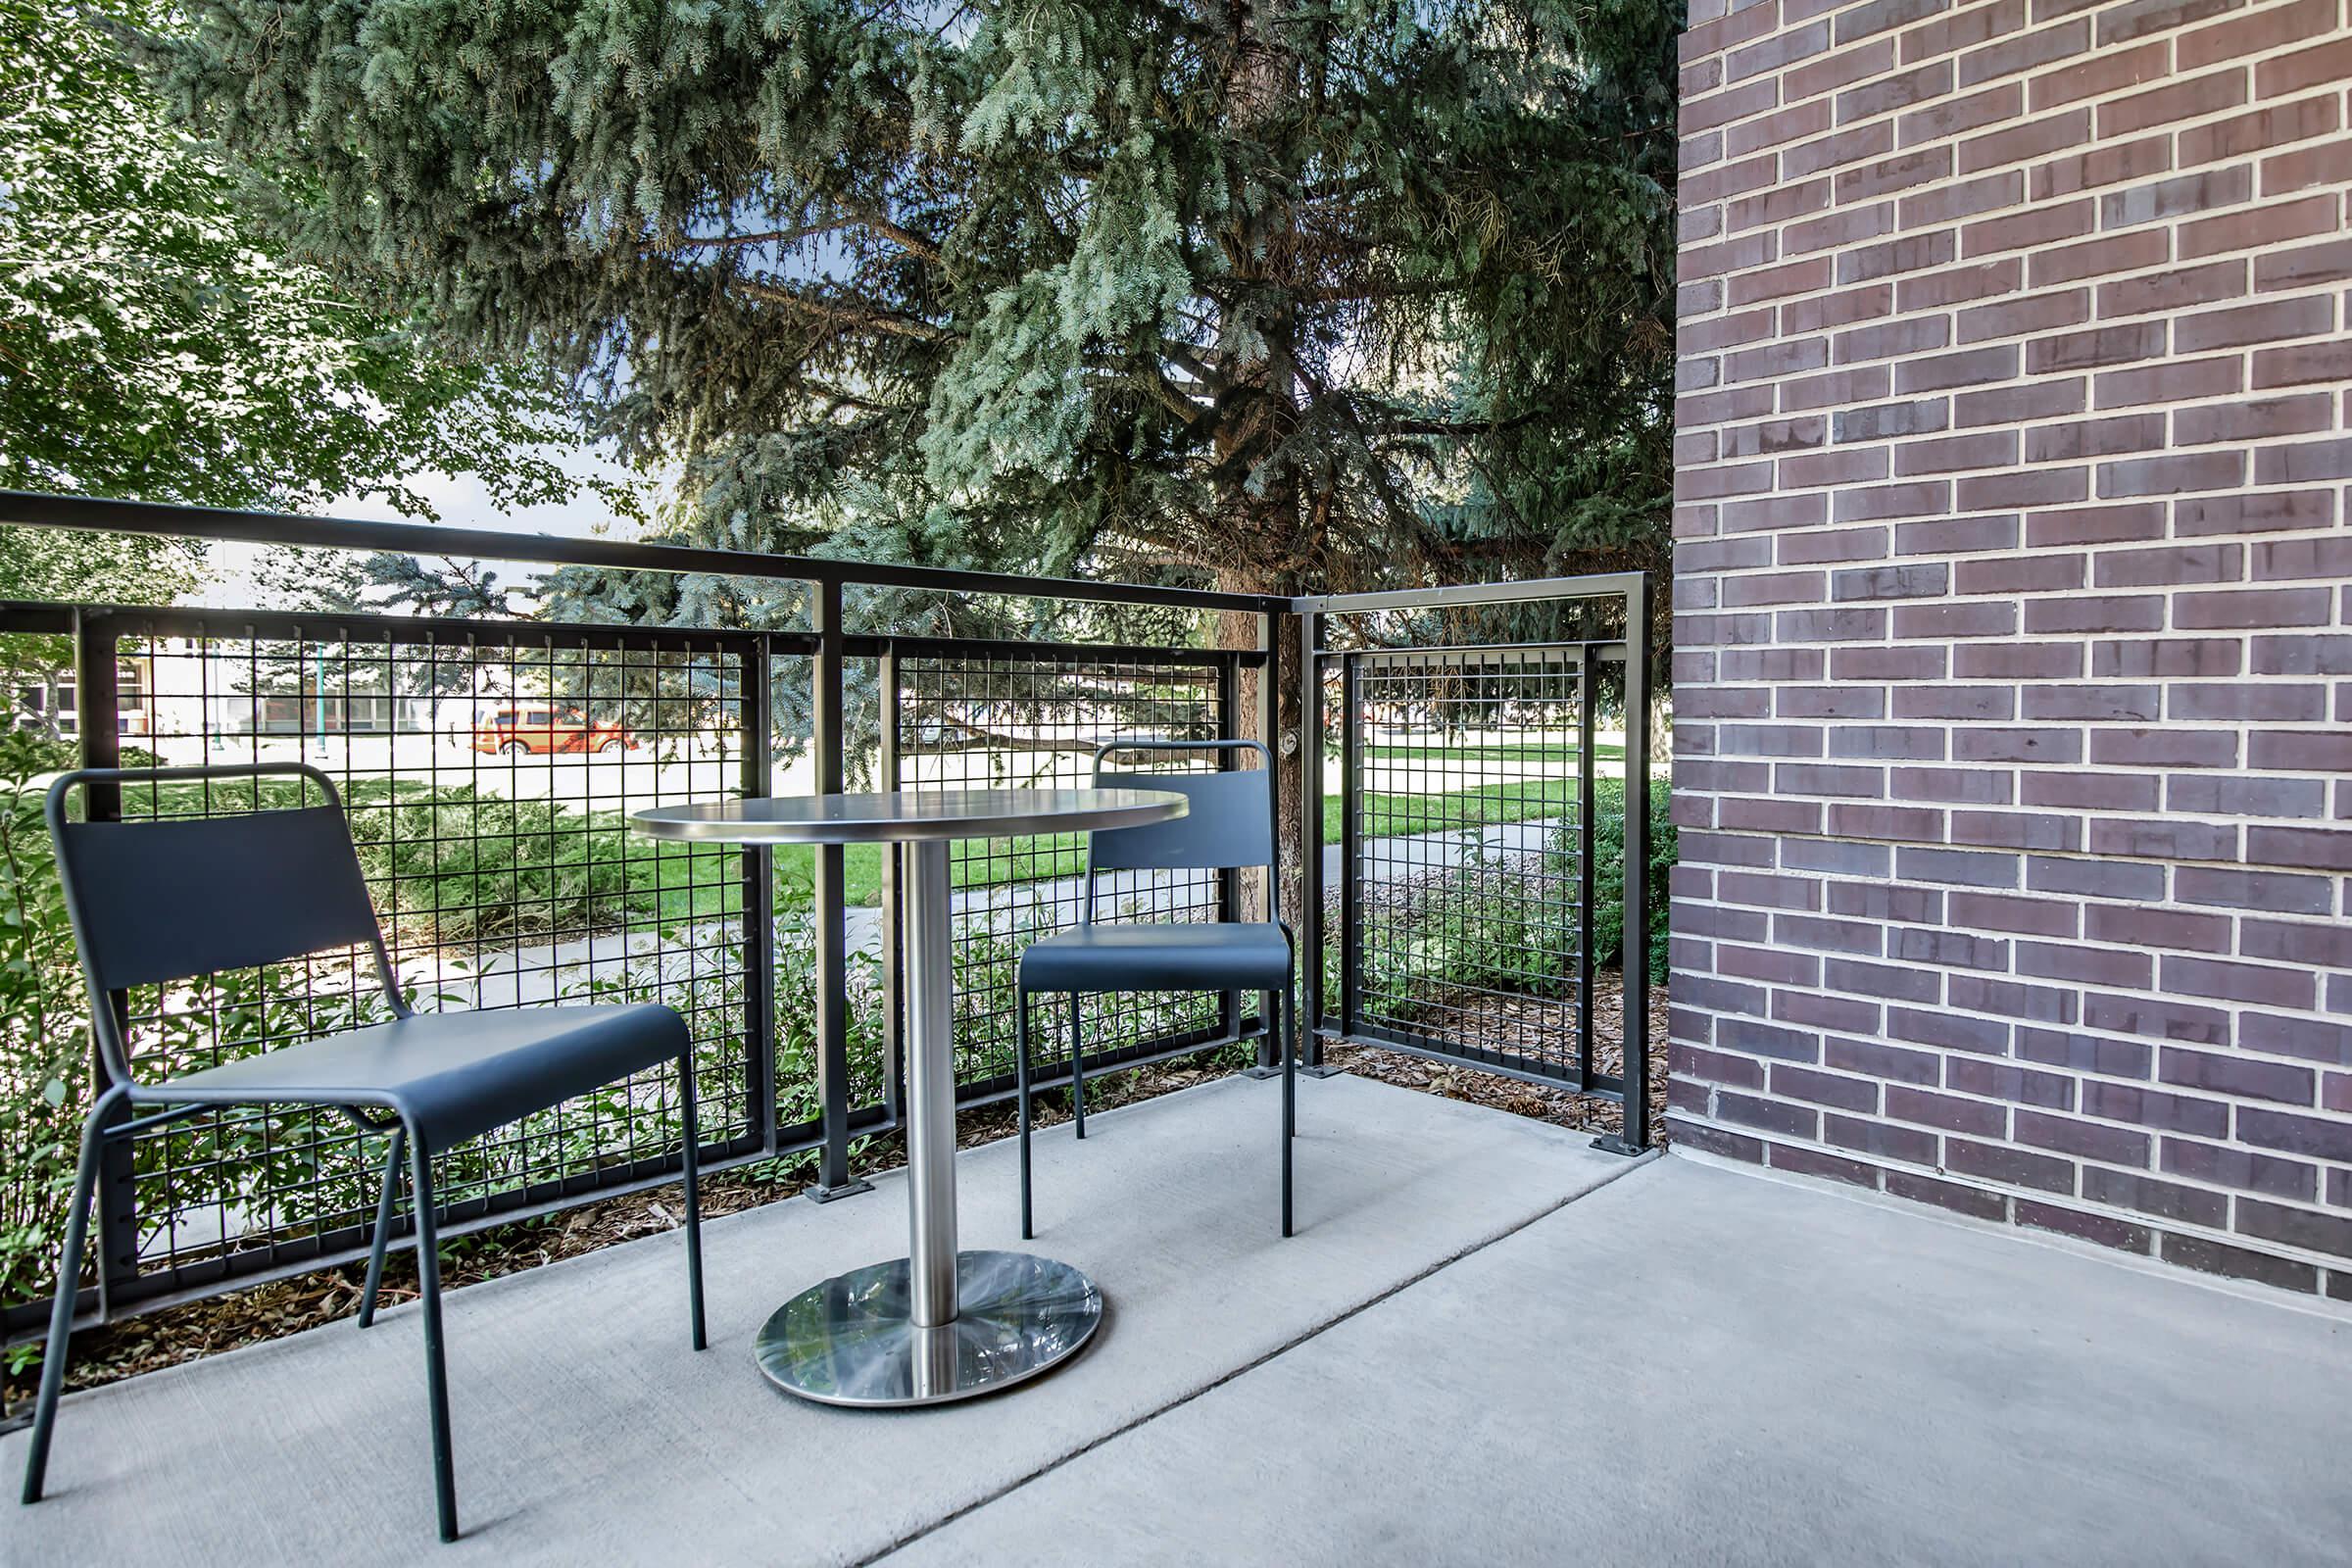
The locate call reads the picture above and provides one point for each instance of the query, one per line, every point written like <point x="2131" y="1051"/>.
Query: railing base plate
<point x="848" y="1189"/>
<point x="1611" y="1143"/>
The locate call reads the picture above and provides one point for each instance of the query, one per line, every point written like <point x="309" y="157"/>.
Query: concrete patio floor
<point x="1489" y="1343"/>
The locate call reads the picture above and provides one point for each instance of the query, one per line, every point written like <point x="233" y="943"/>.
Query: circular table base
<point x="850" y="1340"/>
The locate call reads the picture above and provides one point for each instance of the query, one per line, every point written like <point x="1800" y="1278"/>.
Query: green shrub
<point x="1608" y="855"/>
<point x="447" y="866"/>
<point x="44" y="1036"/>
<point x="1480" y="930"/>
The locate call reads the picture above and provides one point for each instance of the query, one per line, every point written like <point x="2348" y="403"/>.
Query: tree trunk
<point x="1296" y="780"/>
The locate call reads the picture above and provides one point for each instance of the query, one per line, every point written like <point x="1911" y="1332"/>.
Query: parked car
<point x="517" y="730"/>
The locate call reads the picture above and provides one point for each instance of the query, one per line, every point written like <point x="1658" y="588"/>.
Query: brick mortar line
<point x="2244" y="354"/>
<point x="2315" y="824"/>
<point x="2092" y="551"/>
<point x="2168" y="904"/>
<point x="2022" y="381"/>
<point x="1898" y="32"/>
<point x="2028" y="164"/>
<point x="2170" y="75"/>
<point x="2237" y="1012"/>
<point x="1951" y="1009"/>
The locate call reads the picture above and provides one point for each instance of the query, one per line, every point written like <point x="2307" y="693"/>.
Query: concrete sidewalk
<point x="1695" y="1366"/>
<point x="587" y="1431"/>
<point x="1489" y="1344"/>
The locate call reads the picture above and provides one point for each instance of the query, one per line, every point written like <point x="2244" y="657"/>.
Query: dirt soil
<point x="185" y="1333"/>
<point x="1562" y="1107"/>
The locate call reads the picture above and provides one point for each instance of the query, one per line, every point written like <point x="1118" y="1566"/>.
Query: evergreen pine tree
<point x="1269" y="293"/>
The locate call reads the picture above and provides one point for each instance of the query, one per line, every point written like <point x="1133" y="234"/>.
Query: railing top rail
<point x="99" y="515"/>
<point x="92" y="513"/>
<point x="919" y="646"/>
<point x="1609" y="649"/>
<point x="1599" y="585"/>
<point x="506" y="631"/>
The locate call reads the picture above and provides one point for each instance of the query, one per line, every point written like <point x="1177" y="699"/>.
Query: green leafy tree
<point x="158" y="342"/>
<point x="75" y="567"/>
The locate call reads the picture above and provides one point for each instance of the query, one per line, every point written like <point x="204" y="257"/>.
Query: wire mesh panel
<point x="1031" y="718"/>
<point x="801" y="932"/>
<point x="1467" y="854"/>
<point x="487" y="772"/>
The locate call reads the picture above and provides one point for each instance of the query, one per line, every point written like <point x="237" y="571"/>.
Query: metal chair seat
<point x="450" y="1075"/>
<point x="1194" y="956"/>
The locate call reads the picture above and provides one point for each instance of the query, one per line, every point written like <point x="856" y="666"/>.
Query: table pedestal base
<point x="849" y="1340"/>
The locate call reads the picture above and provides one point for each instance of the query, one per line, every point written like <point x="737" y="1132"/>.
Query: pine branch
<point x="855" y="313"/>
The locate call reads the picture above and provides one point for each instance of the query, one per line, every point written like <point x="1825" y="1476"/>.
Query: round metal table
<point x="938" y="1324"/>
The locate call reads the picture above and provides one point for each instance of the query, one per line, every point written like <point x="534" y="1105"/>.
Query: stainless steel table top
<point x="908" y="816"/>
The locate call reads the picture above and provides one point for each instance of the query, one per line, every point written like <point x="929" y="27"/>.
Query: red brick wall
<point x="2013" y="671"/>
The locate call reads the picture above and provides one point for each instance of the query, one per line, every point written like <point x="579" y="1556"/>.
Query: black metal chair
<point x="153" y="903"/>
<point x="1229" y="825"/>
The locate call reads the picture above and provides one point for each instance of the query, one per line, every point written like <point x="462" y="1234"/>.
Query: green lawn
<point x="984" y="865"/>
<point x="482" y="868"/>
<point x="1601" y="751"/>
<point x="1389" y="814"/>
<point x="1040" y="860"/>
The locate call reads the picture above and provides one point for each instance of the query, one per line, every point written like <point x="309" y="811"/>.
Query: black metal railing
<point x="489" y="767"/>
<point x="1470" y="893"/>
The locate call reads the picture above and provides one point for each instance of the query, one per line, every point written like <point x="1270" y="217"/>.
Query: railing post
<point x="1309" y="914"/>
<point x="97" y="724"/>
<point x="759" y="895"/>
<point x="1229" y="880"/>
<point x="1269" y="729"/>
<point x="1351" y="843"/>
<point x="1636" y="1134"/>
<point x="833" y="1179"/>
<point x="1588" y="692"/>
<point x="894" y="1021"/>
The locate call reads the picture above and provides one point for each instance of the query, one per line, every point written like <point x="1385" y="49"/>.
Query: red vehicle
<point x="548" y="729"/>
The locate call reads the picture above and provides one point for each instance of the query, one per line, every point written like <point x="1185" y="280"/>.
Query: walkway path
<point x="543" y="973"/>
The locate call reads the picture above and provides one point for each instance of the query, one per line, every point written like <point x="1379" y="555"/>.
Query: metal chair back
<point x="155" y="901"/>
<point x="1229" y="824"/>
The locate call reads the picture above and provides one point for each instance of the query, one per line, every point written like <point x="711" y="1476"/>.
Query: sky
<point x="461" y="500"/>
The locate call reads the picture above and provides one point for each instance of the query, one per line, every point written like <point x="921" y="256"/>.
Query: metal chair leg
<point x="383" y="1227"/>
<point x="1290" y="1097"/>
<point x="694" y="1200"/>
<point x="1077" y="1072"/>
<point x="61" y="1311"/>
<point x="1020" y="1073"/>
<point x="436" y="1369"/>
